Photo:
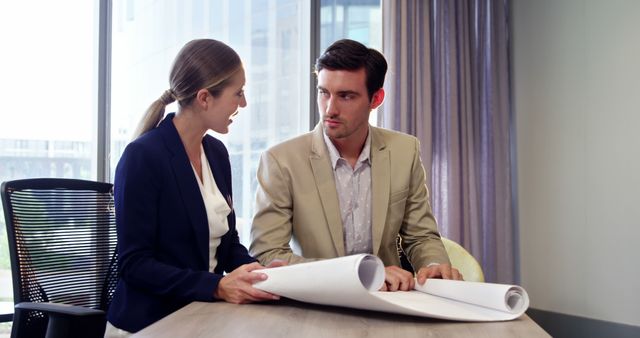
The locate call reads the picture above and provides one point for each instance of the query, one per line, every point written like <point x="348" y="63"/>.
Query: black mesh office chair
<point x="62" y="243"/>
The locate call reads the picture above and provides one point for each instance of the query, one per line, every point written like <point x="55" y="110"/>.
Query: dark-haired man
<point x="347" y="187"/>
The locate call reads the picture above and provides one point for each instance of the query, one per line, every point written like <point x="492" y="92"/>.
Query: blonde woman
<point x="174" y="212"/>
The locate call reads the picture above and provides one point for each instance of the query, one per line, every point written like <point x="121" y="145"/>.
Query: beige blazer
<point x="298" y="214"/>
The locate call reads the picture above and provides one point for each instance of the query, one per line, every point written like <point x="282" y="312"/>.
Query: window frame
<point x="105" y="17"/>
<point x="104" y="81"/>
<point x="104" y="68"/>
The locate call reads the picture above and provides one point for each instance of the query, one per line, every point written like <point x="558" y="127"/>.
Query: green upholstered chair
<point x="462" y="260"/>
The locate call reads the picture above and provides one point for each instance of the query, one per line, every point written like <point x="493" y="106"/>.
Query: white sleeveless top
<point x="216" y="207"/>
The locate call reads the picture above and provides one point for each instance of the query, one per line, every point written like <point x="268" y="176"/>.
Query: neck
<point x="190" y="131"/>
<point x="351" y="147"/>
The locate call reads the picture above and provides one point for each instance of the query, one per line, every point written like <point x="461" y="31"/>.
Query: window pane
<point x="48" y="87"/>
<point x="271" y="37"/>
<point x="359" y="20"/>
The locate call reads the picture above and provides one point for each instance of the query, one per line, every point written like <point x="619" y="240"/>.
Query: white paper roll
<point x="353" y="281"/>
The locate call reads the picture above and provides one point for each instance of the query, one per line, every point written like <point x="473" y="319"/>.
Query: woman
<point x="174" y="213"/>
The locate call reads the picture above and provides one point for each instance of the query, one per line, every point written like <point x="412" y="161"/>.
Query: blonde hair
<point x="202" y="63"/>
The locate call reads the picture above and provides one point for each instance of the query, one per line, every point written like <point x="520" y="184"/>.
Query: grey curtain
<point x="405" y="41"/>
<point x="467" y="139"/>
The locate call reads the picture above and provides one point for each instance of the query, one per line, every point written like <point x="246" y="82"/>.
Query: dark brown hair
<point x="347" y="54"/>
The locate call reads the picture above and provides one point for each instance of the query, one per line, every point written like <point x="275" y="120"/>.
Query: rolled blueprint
<point x="354" y="281"/>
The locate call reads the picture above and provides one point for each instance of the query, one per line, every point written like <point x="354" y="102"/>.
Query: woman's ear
<point x="201" y="98"/>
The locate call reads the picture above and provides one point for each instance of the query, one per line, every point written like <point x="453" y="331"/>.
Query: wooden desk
<point x="287" y="318"/>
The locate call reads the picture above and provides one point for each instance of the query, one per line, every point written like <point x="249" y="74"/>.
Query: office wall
<point x="576" y="81"/>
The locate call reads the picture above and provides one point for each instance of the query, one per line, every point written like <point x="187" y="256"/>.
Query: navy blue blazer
<point x="163" y="233"/>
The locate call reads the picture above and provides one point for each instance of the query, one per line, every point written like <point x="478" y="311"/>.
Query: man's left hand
<point x="444" y="271"/>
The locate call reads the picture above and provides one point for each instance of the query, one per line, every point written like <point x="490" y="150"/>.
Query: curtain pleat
<point x="463" y="122"/>
<point x="407" y="105"/>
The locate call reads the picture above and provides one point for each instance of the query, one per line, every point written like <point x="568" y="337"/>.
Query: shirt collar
<point x="334" y="155"/>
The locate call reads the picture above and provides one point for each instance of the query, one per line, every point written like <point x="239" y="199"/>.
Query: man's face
<point x="344" y="104"/>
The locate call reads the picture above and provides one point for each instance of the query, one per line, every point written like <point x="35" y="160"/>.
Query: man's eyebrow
<point x="347" y="92"/>
<point x="340" y="92"/>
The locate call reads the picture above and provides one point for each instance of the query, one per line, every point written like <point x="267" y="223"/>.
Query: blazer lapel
<point x="380" y="185"/>
<point x="217" y="170"/>
<point x="188" y="187"/>
<point x="325" y="182"/>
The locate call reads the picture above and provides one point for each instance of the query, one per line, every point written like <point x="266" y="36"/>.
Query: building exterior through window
<point x="48" y="84"/>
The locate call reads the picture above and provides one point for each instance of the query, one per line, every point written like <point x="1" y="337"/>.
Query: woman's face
<point x="222" y="108"/>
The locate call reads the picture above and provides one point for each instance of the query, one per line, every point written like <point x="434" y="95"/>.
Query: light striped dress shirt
<point x="354" y="193"/>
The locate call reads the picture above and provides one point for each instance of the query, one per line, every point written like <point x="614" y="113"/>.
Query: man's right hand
<point x="397" y="279"/>
<point x="237" y="286"/>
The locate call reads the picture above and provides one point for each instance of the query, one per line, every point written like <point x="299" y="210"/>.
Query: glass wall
<point x="48" y="89"/>
<point x="272" y="38"/>
<point x="359" y="20"/>
<point x="49" y="67"/>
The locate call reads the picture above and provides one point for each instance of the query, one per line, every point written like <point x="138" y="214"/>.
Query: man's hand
<point x="237" y="286"/>
<point x="397" y="279"/>
<point x="444" y="271"/>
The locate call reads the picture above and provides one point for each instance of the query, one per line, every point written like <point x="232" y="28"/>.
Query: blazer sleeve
<point x="272" y="225"/>
<point x="419" y="232"/>
<point x="138" y="185"/>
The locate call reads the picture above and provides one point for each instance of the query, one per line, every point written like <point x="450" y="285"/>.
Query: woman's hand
<point x="237" y="286"/>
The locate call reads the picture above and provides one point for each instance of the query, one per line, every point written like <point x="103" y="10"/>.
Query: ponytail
<point x="154" y="113"/>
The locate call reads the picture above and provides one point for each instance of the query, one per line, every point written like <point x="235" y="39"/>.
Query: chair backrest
<point x="62" y="242"/>
<point x="462" y="260"/>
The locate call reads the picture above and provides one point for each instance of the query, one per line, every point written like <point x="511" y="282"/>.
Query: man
<point x="347" y="187"/>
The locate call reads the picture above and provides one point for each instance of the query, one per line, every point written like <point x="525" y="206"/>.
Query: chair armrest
<point x="59" y="309"/>
<point x="63" y="321"/>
